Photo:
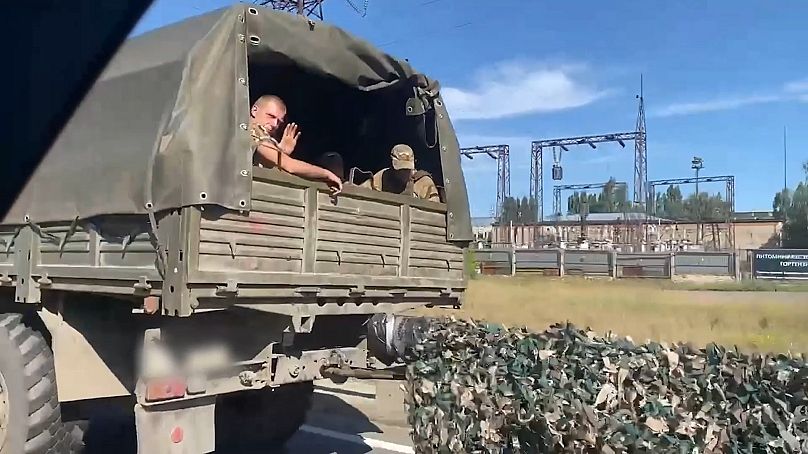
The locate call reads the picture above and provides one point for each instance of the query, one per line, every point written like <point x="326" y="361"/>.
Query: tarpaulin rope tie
<point x="41" y="233"/>
<point x="161" y="254"/>
<point x="73" y="227"/>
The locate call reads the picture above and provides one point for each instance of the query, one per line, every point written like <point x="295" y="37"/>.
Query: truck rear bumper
<point x="176" y="428"/>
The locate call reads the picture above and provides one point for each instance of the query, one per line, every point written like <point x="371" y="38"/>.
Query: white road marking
<point x="358" y="439"/>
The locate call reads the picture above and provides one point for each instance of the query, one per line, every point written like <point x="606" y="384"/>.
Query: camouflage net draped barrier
<point x="476" y="387"/>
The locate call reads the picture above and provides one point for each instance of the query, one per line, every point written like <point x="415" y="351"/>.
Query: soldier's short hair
<point x="269" y="98"/>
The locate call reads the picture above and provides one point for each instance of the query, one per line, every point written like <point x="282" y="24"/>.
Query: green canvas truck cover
<point x="165" y="125"/>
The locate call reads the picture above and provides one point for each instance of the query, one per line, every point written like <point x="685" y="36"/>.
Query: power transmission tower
<point x="502" y="155"/>
<point x="640" y="154"/>
<point x="308" y="8"/>
<point x="638" y="136"/>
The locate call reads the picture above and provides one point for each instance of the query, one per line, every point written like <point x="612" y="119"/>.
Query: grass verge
<point x="643" y="309"/>
<point x="748" y="285"/>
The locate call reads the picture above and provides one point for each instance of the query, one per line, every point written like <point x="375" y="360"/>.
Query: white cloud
<point x="792" y="91"/>
<point x="509" y="89"/>
<point x="797" y="86"/>
<point x="715" y="105"/>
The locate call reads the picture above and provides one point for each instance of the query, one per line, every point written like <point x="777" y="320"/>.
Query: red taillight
<point x="165" y="388"/>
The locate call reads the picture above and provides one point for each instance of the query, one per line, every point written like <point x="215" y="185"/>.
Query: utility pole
<point x="697" y="164"/>
<point x="785" y="159"/>
<point x="785" y="183"/>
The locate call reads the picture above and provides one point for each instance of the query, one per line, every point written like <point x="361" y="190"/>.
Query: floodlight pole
<point x="697" y="164"/>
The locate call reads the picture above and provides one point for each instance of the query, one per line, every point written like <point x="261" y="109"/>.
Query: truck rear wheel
<point x="265" y="418"/>
<point x="30" y="416"/>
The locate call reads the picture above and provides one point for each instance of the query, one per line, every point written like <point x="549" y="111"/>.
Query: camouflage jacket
<point x="420" y="185"/>
<point x="259" y="134"/>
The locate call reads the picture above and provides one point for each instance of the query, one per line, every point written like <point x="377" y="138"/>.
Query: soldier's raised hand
<point x="289" y="139"/>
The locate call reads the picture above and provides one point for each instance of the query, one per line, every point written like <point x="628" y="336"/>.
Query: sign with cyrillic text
<point x="780" y="263"/>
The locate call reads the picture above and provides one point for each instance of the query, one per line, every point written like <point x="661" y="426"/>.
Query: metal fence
<point x="561" y="262"/>
<point x="644" y="265"/>
<point x="587" y="263"/>
<point x="494" y="261"/>
<point x="705" y="263"/>
<point x="540" y="261"/>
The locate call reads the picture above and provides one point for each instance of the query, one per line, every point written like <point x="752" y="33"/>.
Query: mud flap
<point x="179" y="428"/>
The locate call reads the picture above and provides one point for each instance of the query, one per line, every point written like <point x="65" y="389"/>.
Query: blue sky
<point x="722" y="79"/>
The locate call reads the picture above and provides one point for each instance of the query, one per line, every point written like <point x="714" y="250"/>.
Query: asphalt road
<point x="342" y="423"/>
<point x="343" y="420"/>
<point x="316" y="440"/>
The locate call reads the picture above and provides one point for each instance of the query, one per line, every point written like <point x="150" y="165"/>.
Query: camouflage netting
<point x="476" y="387"/>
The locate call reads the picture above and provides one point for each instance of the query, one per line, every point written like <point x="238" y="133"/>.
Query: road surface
<point x="356" y="418"/>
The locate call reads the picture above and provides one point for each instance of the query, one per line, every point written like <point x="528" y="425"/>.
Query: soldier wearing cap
<point x="402" y="178"/>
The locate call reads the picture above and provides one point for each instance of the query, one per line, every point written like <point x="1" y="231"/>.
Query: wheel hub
<point x="4" y="410"/>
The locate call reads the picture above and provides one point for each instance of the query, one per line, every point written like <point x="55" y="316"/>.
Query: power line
<point x="424" y="35"/>
<point x="364" y="11"/>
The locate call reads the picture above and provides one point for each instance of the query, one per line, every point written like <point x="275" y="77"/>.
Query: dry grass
<point x="644" y="310"/>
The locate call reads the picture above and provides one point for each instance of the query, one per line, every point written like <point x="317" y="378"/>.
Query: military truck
<point x="149" y="261"/>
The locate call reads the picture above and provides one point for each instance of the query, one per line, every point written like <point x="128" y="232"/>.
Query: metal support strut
<point x="502" y="154"/>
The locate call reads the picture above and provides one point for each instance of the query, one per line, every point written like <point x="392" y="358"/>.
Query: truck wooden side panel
<point x="296" y="244"/>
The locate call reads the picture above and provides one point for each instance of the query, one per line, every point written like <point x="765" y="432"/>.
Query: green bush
<point x="477" y="387"/>
<point x="470" y="262"/>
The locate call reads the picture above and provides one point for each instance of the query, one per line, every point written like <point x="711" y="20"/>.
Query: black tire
<point x="254" y="421"/>
<point x="34" y="424"/>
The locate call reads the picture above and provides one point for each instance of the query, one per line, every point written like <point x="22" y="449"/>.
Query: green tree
<point x="524" y="211"/>
<point x="706" y="207"/>
<point x="781" y="204"/>
<point x="534" y="210"/>
<point x="509" y="209"/>
<point x="795" y="228"/>
<point x="519" y="211"/>
<point x="792" y="208"/>
<point x="611" y="199"/>
<point x="674" y="206"/>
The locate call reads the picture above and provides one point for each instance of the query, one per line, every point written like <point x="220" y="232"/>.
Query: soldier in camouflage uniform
<point x="266" y="116"/>
<point x="403" y="178"/>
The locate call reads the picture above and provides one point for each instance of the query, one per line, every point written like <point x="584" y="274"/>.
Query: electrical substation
<point x="631" y="224"/>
